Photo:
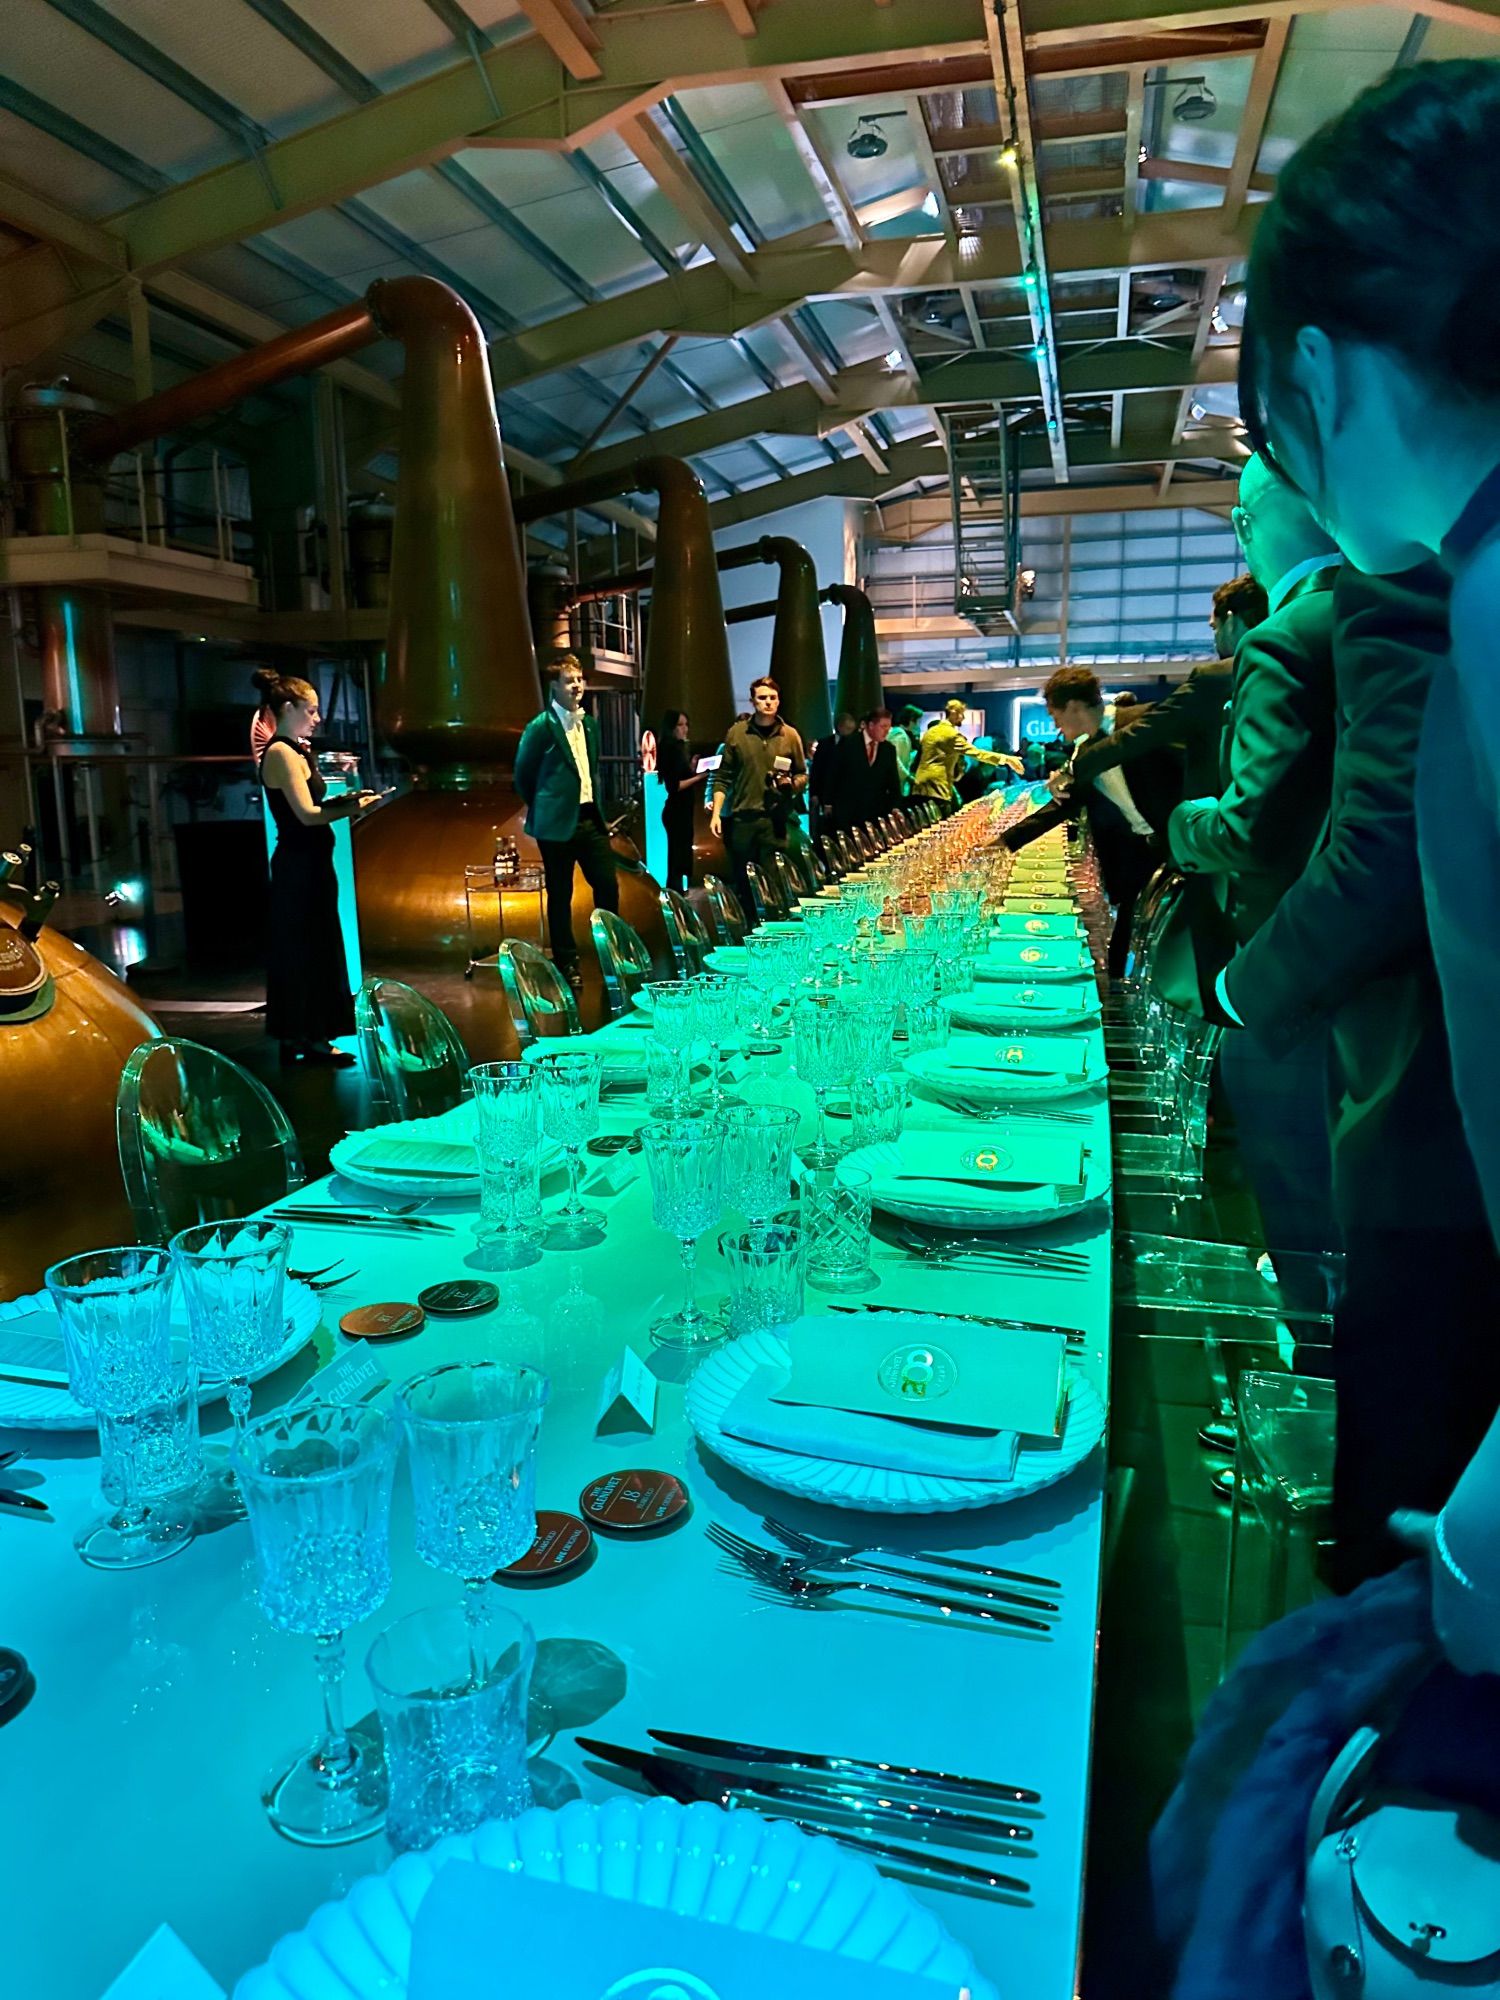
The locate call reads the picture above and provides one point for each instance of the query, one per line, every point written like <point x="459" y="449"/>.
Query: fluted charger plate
<point x="940" y="1203"/>
<point x="448" y="1128"/>
<point x="34" y="1407"/>
<point x="1008" y="1010"/>
<point x="870" y="1488"/>
<point x="732" y="1868"/>
<point x="969" y="1072"/>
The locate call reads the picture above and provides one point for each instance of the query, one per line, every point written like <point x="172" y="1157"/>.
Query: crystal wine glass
<point x="570" y="1115"/>
<point x="507" y="1114"/>
<point x="114" y="1309"/>
<point x="233" y="1278"/>
<point x="763" y="960"/>
<point x="674" y="1023"/>
<point x="316" y="1480"/>
<point x="685" y="1159"/>
<point x="471" y="1430"/>
<point x="820" y="1025"/>
<point x="758" y="1143"/>
<point x="715" y="994"/>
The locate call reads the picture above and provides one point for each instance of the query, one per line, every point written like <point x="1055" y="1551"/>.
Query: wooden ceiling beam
<point x="567" y="32"/>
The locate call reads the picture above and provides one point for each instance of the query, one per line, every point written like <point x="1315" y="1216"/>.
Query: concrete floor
<point x="1168" y="1538"/>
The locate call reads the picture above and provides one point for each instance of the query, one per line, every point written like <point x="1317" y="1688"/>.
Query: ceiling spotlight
<point x="1008" y="154"/>
<point x="1028" y="582"/>
<point x="1197" y="412"/>
<point x="893" y="359"/>
<point x="1194" y="101"/>
<point x="1217" y="322"/>
<point x="867" y="141"/>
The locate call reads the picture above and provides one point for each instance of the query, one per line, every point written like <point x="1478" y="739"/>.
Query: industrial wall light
<point x="1194" y="100"/>
<point x="867" y="141"/>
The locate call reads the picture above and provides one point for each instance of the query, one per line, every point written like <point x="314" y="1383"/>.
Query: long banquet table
<point x="130" y="1786"/>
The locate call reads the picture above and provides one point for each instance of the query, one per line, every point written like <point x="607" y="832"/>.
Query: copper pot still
<point x="60" y="1064"/>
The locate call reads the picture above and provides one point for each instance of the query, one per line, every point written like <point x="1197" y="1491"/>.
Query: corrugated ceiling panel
<point x="754" y="150"/>
<point x="234" y="52"/>
<point x="1329" y="60"/>
<point x="899" y="166"/>
<point x="546" y="192"/>
<point x="335" y="248"/>
<point x="391" y="43"/>
<point x="37" y="161"/>
<point x="61" y="63"/>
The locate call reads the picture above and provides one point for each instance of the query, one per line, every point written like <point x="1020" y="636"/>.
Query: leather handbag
<point x="1402" y="1890"/>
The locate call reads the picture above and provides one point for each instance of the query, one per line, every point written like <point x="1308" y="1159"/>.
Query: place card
<point x="577" y="1944"/>
<point x="948" y="1371"/>
<point x="164" y="1969"/>
<point x="628" y="1402"/>
<point x="614" y="1172"/>
<point x="355" y="1376"/>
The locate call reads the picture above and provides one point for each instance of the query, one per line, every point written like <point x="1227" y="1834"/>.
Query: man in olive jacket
<point x="1415" y="1355"/>
<point x="557" y="774"/>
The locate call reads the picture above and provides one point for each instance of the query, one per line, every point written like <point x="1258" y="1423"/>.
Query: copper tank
<point x="859" y="690"/>
<point x="60" y="1186"/>
<point x="798" y="663"/>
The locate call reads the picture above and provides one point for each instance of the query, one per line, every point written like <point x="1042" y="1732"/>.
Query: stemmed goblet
<point x="316" y="1480"/>
<point x="471" y="1430"/>
<point x="570" y="1115"/>
<point x="507" y="1117"/>
<point x="114" y="1309"/>
<point x="685" y="1159"/>
<point x="758" y="1143"/>
<point x="674" y="1023"/>
<point x="233" y="1277"/>
<point x="820" y="1025"/>
<point x="715" y="994"/>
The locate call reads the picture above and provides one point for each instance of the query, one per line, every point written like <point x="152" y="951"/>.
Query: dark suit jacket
<point x="1155" y="780"/>
<point x="1348" y="944"/>
<point x="1277" y="772"/>
<point x="547" y="777"/>
<point x="858" y="789"/>
<point x="1190" y="720"/>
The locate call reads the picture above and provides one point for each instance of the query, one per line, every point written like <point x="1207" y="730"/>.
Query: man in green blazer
<point x="557" y="774"/>
<point x="1414" y="1350"/>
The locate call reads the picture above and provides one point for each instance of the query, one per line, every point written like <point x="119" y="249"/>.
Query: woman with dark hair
<point x="678" y="770"/>
<point x="308" y="1001"/>
<point x="1370" y="376"/>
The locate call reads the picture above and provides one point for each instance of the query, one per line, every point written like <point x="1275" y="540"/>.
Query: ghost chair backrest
<point x="410" y="1050"/>
<point x="540" y="1000"/>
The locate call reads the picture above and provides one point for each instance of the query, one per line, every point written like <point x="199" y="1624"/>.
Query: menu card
<point x="1000" y="1159"/>
<point x="1062" y="1056"/>
<point x="938" y="1371"/>
<point x="483" y="1934"/>
<point x="1024" y="924"/>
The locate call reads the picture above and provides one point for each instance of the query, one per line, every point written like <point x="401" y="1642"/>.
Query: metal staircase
<point x="984" y="493"/>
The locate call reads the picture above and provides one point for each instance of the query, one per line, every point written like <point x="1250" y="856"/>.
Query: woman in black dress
<point x="678" y="771"/>
<point x="307" y="983"/>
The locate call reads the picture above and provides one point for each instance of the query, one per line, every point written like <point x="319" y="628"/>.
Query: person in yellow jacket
<point x="942" y="753"/>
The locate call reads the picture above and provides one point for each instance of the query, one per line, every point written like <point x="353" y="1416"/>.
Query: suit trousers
<point x="1416" y="1361"/>
<point x="752" y="837"/>
<point x="588" y="848"/>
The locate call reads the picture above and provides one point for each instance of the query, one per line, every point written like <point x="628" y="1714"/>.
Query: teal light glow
<point x="75" y="686"/>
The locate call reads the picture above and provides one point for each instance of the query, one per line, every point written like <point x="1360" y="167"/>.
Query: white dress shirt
<point x="572" y="722"/>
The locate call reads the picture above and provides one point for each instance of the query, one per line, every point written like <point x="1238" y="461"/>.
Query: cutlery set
<point x="896" y="1814"/>
<point x="796" y="1578"/>
<point x="376" y="1221"/>
<point x="1074" y="1336"/>
<point x="995" y="1250"/>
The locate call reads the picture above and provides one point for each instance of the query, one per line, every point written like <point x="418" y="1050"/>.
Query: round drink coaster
<point x="563" y="1545"/>
<point x="16" y="1684"/>
<point x="634" y="1502"/>
<point x="389" y="1320"/>
<point x="454" y="1298"/>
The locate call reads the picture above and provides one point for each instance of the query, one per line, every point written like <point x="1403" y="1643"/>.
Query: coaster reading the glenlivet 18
<point x="634" y="1502"/>
<point x="456" y="1297"/>
<point x="389" y="1320"/>
<point x="563" y="1545"/>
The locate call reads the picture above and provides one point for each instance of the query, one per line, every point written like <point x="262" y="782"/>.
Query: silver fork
<point x="1044" y="1253"/>
<point x="808" y="1593"/>
<point x="803" y="1561"/>
<point x="809" y="1545"/>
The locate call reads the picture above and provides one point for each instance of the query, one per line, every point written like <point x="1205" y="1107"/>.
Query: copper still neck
<point x="859" y="690"/>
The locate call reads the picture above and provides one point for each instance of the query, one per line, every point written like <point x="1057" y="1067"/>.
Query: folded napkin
<point x="978" y="1168"/>
<point x="981" y="1057"/>
<point x="1061" y="1001"/>
<point x="427" y="1156"/>
<point x="855" y="1439"/>
<point x="1025" y="924"/>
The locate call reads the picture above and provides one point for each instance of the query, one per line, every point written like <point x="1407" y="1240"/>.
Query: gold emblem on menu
<point x="1031" y="956"/>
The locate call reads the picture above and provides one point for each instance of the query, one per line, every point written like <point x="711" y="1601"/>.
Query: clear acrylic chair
<point x="623" y="959"/>
<point x="410" y="1050"/>
<point x="765" y="893"/>
<point x="806" y="870"/>
<point x="1282" y="1503"/>
<point x="725" y="905"/>
<point x="200" y="1139"/>
<point x="788" y="882"/>
<point x="540" y="1000"/>
<point x="686" y="933"/>
<point x="849" y="855"/>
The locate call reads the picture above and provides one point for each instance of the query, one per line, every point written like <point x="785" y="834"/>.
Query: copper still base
<point x="409" y="869"/>
<point x="60" y="1186"/>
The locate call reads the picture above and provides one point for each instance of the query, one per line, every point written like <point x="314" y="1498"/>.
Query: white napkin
<point x="970" y="1057"/>
<point x="853" y="1438"/>
<point x="1029" y="1169"/>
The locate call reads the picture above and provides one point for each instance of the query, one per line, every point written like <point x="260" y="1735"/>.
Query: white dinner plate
<point x="733" y="1868"/>
<point x="973" y="1208"/>
<point x="32" y="1407"/>
<point x="727" y="958"/>
<point x="979" y="1083"/>
<point x="1017" y="962"/>
<point x="455" y="1127"/>
<point x="723" y="1373"/>
<point x="1009" y="1010"/>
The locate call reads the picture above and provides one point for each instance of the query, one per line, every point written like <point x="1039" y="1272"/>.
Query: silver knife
<point x="343" y="1218"/>
<point x="817" y="1762"/>
<point x="1072" y="1334"/>
<point x="915" y="1818"/>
